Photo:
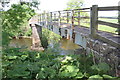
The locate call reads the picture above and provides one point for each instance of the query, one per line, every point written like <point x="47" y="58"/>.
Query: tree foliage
<point x="77" y="4"/>
<point x="74" y="4"/>
<point x="32" y="3"/>
<point x="14" y="20"/>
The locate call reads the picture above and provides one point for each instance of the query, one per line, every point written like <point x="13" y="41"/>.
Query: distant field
<point x="108" y="28"/>
<point x="100" y="27"/>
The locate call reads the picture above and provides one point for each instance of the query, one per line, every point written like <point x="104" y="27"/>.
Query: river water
<point x="67" y="46"/>
<point x="23" y="42"/>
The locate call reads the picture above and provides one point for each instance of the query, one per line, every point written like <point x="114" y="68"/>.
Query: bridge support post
<point x="36" y="37"/>
<point x="59" y="21"/>
<point x="68" y="33"/>
<point x="72" y="29"/>
<point x="93" y="20"/>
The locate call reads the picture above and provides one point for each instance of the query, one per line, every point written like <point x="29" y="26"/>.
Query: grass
<point x="100" y="27"/>
<point x="107" y="29"/>
<point x="109" y="20"/>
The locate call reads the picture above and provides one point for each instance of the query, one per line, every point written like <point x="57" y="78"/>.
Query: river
<point x="67" y="46"/>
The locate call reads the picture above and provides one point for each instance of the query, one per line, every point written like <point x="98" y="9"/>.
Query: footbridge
<point x="80" y="24"/>
<point x="85" y="28"/>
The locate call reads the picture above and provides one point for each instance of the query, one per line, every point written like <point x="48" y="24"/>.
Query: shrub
<point x="31" y="65"/>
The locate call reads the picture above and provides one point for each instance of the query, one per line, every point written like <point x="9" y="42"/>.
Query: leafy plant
<point x="95" y="77"/>
<point x="49" y="37"/>
<point x="101" y="68"/>
<point x="14" y="21"/>
<point x="21" y="65"/>
<point x="74" y="4"/>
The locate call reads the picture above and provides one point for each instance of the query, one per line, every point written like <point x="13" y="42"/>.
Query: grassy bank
<point x="100" y="27"/>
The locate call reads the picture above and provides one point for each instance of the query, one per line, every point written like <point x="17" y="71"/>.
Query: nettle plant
<point x="31" y="65"/>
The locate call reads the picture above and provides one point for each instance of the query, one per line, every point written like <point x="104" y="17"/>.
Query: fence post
<point x="40" y="17"/>
<point x="50" y="16"/>
<point x="67" y="17"/>
<point x="54" y="17"/>
<point x="78" y="18"/>
<point x="72" y="19"/>
<point x="119" y="17"/>
<point x="59" y="18"/>
<point x="93" y="20"/>
<point x="43" y="18"/>
<point x="47" y="17"/>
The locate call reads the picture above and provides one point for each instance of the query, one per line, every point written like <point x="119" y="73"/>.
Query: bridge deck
<point x="111" y="36"/>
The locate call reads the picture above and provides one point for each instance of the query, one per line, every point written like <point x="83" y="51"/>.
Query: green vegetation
<point x="49" y="37"/>
<point x="32" y="3"/>
<point x="77" y="4"/>
<point x="28" y="65"/>
<point x="108" y="28"/>
<point x="21" y="64"/>
<point x="109" y="20"/>
<point x="100" y="27"/>
<point x="74" y="4"/>
<point x="15" y="22"/>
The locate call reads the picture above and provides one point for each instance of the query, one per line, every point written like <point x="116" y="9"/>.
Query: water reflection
<point x="23" y="42"/>
<point x="67" y="46"/>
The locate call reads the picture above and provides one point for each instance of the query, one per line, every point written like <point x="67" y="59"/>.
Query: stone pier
<point x="36" y="38"/>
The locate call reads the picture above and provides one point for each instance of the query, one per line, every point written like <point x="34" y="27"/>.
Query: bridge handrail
<point x="74" y="15"/>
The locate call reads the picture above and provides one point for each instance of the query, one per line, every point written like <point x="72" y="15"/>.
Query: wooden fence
<point x="74" y="17"/>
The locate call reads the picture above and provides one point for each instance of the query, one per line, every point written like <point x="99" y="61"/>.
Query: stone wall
<point x="105" y="52"/>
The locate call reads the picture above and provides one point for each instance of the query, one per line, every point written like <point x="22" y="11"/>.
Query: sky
<point x="55" y="5"/>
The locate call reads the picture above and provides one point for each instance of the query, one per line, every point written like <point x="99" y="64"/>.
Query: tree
<point x="14" y="19"/>
<point x="33" y="3"/>
<point x="77" y="4"/>
<point x="74" y="4"/>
